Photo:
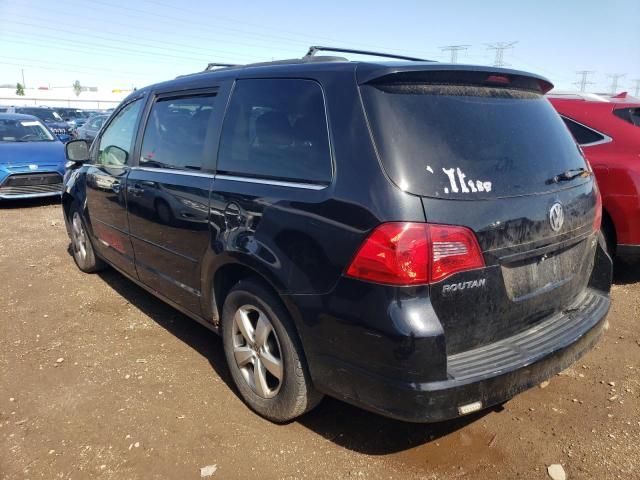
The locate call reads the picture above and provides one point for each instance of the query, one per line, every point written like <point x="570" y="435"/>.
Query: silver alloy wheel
<point x="78" y="236"/>
<point x="257" y="352"/>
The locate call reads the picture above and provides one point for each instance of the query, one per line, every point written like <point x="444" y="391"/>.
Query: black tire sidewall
<point x="285" y="405"/>
<point x="90" y="263"/>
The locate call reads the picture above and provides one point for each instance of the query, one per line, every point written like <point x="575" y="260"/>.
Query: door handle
<point x="135" y="190"/>
<point x="233" y="216"/>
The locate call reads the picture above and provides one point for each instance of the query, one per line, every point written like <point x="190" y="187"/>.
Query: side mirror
<point x="64" y="138"/>
<point x="77" y="151"/>
<point x="114" y="155"/>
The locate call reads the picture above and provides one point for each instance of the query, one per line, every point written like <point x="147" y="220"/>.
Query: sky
<point x="124" y="44"/>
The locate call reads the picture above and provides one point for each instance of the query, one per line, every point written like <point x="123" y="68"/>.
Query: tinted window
<point x="468" y="142"/>
<point x="117" y="140"/>
<point x="582" y="134"/>
<point x="276" y="129"/>
<point x="631" y="115"/>
<point x="177" y="132"/>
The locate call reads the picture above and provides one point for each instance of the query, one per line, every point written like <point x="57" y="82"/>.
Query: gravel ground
<point x="100" y="379"/>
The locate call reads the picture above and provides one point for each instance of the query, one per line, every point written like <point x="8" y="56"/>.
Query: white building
<point x="89" y="98"/>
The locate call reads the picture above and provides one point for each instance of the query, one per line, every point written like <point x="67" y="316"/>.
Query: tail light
<point x="405" y="253"/>
<point x="597" y="219"/>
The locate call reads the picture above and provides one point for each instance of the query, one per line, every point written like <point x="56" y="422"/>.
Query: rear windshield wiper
<point x="570" y="175"/>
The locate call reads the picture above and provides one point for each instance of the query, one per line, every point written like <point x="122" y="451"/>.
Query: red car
<point x="607" y="128"/>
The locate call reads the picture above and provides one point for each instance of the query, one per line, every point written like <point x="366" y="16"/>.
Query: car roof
<point x="310" y="67"/>
<point x="595" y="99"/>
<point x="33" y="107"/>
<point x="17" y="116"/>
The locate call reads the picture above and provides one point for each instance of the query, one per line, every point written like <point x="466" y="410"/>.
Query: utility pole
<point x="614" y="81"/>
<point x="637" y="88"/>
<point x="454" y="49"/>
<point x="584" y="74"/>
<point x="24" y="85"/>
<point x="500" y="47"/>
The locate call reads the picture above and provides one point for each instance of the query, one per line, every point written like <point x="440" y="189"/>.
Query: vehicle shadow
<point x="625" y="273"/>
<point x="29" y="203"/>
<point x="338" y="422"/>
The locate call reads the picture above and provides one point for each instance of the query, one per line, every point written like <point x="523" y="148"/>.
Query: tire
<point x="258" y="335"/>
<point x="81" y="247"/>
<point x="163" y="210"/>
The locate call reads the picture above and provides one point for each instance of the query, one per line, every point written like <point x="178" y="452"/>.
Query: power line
<point x="144" y="28"/>
<point x="500" y="47"/>
<point x="311" y="38"/>
<point x="583" y="82"/>
<point x="156" y="44"/>
<point x="71" y="46"/>
<point x="614" y="81"/>
<point x="454" y="49"/>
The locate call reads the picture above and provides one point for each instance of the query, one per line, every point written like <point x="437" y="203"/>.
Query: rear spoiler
<point x="452" y="75"/>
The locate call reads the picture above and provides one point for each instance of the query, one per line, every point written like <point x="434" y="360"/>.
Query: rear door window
<point x="276" y="128"/>
<point x="469" y="142"/>
<point x="630" y="115"/>
<point x="178" y="132"/>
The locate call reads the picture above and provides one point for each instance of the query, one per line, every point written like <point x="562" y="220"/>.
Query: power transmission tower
<point x="637" y="88"/>
<point x="454" y="49"/>
<point x="614" y="81"/>
<point x="500" y="47"/>
<point x="584" y="74"/>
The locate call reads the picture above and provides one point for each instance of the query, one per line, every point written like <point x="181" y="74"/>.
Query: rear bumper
<point x="384" y="349"/>
<point x="489" y="375"/>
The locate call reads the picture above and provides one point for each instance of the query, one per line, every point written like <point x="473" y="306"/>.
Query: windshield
<point x="467" y="142"/>
<point x="42" y="114"/>
<point x="24" y="131"/>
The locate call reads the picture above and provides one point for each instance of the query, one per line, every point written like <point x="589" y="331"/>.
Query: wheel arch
<point x="609" y="230"/>
<point x="226" y="276"/>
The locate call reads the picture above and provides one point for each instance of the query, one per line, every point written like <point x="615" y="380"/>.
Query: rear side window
<point x="631" y="115"/>
<point x="276" y="129"/>
<point x="178" y="133"/>
<point x="468" y="142"/>
<point x="582" y="134"/>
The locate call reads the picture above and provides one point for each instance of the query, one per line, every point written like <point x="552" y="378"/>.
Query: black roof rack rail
<point x="211" y="66"/>
<point x="315" y="49"/>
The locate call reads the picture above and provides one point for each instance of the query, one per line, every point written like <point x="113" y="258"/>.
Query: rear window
<point x="41" y="113"/>
<point x="469" y="142"/>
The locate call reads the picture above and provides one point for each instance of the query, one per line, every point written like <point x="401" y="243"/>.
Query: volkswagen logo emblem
<point x="556" y="217"/>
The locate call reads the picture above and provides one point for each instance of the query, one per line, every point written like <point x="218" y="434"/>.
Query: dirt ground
<point x="98" y="379"/>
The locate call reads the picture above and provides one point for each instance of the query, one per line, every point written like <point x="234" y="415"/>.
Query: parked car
<point x="50" y="117"/>
<point x="31" y="158"/>
<point x="607" y="128"/>
<point x="73" y="116"/>
<point x="90" y="129"/>
<point x="415" y="238"/>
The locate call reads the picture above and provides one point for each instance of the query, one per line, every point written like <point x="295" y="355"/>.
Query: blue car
<point x="31" y="158"/>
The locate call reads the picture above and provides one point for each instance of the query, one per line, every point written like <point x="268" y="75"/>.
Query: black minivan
<point x="416" y="238"/>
